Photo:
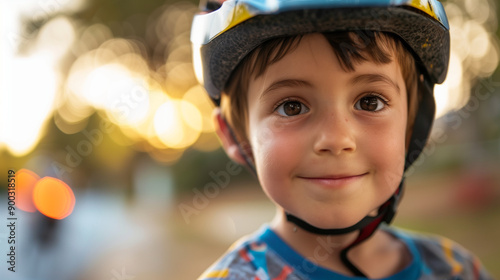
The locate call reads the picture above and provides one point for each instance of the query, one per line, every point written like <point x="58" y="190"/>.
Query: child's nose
<point x="335" y="135"/>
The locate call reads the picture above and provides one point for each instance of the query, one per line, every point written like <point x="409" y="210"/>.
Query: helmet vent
<point x="210" y="5"/>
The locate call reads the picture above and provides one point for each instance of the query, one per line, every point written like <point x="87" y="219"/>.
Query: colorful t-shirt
<point x="265" y="256"/>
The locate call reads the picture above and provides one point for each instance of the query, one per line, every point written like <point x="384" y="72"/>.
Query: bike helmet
<point x="224" y="32"/>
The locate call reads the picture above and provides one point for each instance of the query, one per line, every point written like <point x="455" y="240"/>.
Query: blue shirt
<point x="265" y="256"/>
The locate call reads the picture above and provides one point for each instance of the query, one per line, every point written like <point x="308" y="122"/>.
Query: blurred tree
<point x="159" y="29"/>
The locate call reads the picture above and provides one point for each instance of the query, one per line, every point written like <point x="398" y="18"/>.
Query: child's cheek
<point x="271" y="143"/>
<point x="267" y="165"/>
<point x="388" y="153"/>
<point x="276" y="152"/>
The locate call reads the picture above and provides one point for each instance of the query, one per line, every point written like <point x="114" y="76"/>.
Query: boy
<point x="326" y="101"/>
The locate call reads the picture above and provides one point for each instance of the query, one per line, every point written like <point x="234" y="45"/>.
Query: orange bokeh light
<point x="53" y="198"/>
<point x="25" y="183"/>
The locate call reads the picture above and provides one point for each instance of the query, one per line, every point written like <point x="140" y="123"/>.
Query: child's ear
<point x="225" y="135"/>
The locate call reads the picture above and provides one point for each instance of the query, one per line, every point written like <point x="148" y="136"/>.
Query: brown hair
<point x="350" y="48"/>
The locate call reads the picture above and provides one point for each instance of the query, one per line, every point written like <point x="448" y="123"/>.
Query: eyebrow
<point x="373" y="78"/>
<point x="283" y="84"/>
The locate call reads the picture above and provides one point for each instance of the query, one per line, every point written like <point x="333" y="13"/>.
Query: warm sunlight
<point x="27" y="98"/>
<point x="178" y="123"/>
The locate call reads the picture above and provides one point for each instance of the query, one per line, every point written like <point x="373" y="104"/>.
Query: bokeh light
<point x="198" y="97"/>
<point x="25" y="184"/>
<point x="53" y="198"/>
<point x="30" y="84"/>
<point x="474" y="51"/>
<point x="178" y="123"/>
<point x="30" y="106"/>
<point x="160" y="105"/>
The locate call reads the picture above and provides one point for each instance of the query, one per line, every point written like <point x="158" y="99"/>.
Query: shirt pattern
<point x="265" y="256"/>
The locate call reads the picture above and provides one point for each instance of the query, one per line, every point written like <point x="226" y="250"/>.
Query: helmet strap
<point x="366" y="227"/>
<point x="248" y="159"/>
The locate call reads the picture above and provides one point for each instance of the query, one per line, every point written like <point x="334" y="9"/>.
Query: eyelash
<point x="288" y="99"/>
<point x="281" y="102"/>
<point x="382" y="98"/>
<point x="379" y="96"/>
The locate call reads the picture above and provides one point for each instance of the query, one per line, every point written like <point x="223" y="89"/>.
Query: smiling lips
<point x="333" y="181"/>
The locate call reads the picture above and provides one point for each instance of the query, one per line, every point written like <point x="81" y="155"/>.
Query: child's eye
<point x="370" y="103"/>
<point x="291" y="108"/>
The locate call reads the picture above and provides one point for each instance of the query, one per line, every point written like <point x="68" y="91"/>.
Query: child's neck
<point x="391" y="255"/>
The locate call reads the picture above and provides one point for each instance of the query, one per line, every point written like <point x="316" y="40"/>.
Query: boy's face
<point x="328" y="145"/>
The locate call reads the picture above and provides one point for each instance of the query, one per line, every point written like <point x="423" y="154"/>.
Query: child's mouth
<point x="333" y="181"/>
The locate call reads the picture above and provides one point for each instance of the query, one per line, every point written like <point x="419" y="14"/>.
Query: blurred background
<point x="119" y="174"/>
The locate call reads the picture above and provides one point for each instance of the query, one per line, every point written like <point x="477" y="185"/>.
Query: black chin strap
<point x="366" y="227"/>
<point x="334" y="231"/>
